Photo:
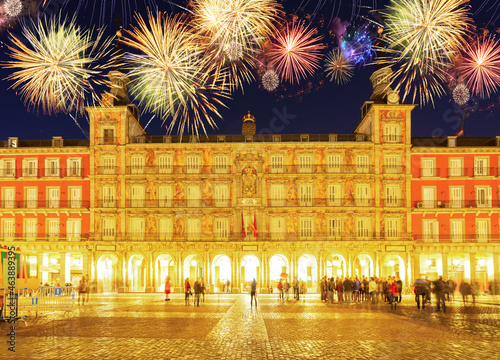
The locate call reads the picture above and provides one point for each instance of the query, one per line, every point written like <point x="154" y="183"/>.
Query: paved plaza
<point x="144" y="326"/>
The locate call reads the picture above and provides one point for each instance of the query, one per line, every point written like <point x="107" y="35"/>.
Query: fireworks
<point x="12" y="7"/>
<point x="296" y="52"/>
<point x="422" y="36"/>
<point x="357" y="45"/>
<point x="234" y="51"/>
<point x="171" y="77"/>
<point x="461" y="94"/>
<point x="55" y="59"/>
<point x="270" y="80"/>
<point x="481" y="66"/>
<point x="338" y="67"/>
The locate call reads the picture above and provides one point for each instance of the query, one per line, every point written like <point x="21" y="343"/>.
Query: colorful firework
<point x="270" y="80"/>
<point x="461" y="94"/>
<point x="422" y="37"/>
<point x="481" y="66"/>
<point x="338" y="67"/>
<point x="234" y="51"/>
<point x="12" y="7"/>
<point x="56" y="60"/>
<point x="358" y="45"/>
<point x="296" y="52"/>
<point x="171" y="77"/>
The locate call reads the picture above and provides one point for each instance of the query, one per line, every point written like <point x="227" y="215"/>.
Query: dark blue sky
<point x="330" y="108"/>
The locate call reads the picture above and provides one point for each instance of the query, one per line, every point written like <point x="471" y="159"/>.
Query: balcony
<point x="392" y="138"/>
<point x="321" y="202"/>
<point x="44" y="204"/>
<point x="42" y="172"/>
<point x="178" y="169"/>
<point x="394" y="202"/>
<point x="485" y="171"/>
<point x="450" y="238"/>
<point x="45" y="237"/>
<point x="430" y="172"/>
<point x="394" y="169"/>
<point x="107" y="170"/>
<point x="454" y="172"/>
<point x="321" y="168"/>
<point x="456" y="204"/>
<point x="167" y="203"/>
<point x="106" y="141"/>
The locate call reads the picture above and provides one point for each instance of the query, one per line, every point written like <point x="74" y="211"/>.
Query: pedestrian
<point x="287" y="289"/>
<point x="366" y="288"/>
<point x="167" y="288"/>
<point x="187" y="291"/>
<point x="340" y="290"/>
<point x="253" y="293"/>
<point x="439" y="289"/>
<point x="372" y="289"/>
<point x="280" y="289"/>
<point x="466" y="290"/>
<point x="228" y="283"/>
<point x="82" y="289"/>
<point x="203" y="289"/>
<point x="420" y="290"/>
<point x="197" y="292"/>
<point x="393" y="294"/>
<point x="399" y="284"/>
<point x="296" y="288"/>
<point x="323" y="290"/>
<point x="356" y="290"/>
<point x="348" y="286"/>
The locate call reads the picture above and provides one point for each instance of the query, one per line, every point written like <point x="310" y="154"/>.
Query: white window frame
<point x="74" y="167"/>
<point x="137" y="196"/>
<point x="193" y="164"/>
<point x="457" y="230"/>
<point x="52" y="229"/>
<point x="53" y="197"/>
<point x="430" y="229"/>
<point x="277" y="195"/>
<point x="221" y="195"/>
<point x="165" y="196"/>
<point x="137" y="164"/>
<point x="193" y="195"/>
<point x="455" y="166"/>
<point x="193" y="228"/>
<point x="427" y="167"/>
<point x="165" y="164"/>
<point x="306" y="228"/>
<point x="221" y="164"/>
<point x="8" y="197"/>
<point x="30" y="167"/>
<point x="362" y="228"/>
<point x="481" y="166"/>
<point x="108" y="165"/>
<point x="334" y="228"/>
<point x="456" y="196"/>
<point x="137" y="228"/>
<point x="391" y="164"/>
<point x="8" y="168"/>
<point x="75" y="200"/>
<point x="8" y="229"/>
<point x="483" y="196"/>
<point x="483" y="229"/>
<point x="108" y="228"/>
<point x="306" y="195"/>
<point x="392" y="228"/>
<point x="53" y="167"/>
<point x="108" y="196"/>
<point x="305" y="163"/>
<point x="221" y="228"/>
<point x="30" y="197"/>
<point x="362" y="164"/>
<point x="429" y="201"/>
<point x="276" y="164"/>
<point x="165" y="228"/>
<point x="392" y="133"/>
<point x="74" y="229"/>
<point x="392" y="195"/>
<point x="277" y="226"/>
<point x="363" y="195"/>
<point x="334" y="195"/>
<point x="30" y="229"/>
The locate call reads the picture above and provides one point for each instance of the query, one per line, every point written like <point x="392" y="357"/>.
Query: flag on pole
<point x="253" y="226"/>
<point x="243" y="232"/>
<point x="460" y="133"/>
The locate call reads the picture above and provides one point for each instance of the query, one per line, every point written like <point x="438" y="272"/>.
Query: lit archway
<point x="336" y="265"/>
<point x="193" y="268"/>
<point x="393" y="265"/>
<point x="308" y="271"/>
<point x="250" y="269"/>
<point x="221" y="271"/>
<point x="278" y="266"/>
<point x="164" y="266"/>
<point x="363" y="266"/>
<point x="107" y="273"/>
<point x="137" y="273"/>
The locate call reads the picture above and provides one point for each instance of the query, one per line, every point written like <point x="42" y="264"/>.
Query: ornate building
<point x="238" y="207"/>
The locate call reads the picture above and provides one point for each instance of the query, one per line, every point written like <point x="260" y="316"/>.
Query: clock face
<point x="393" y="98"/>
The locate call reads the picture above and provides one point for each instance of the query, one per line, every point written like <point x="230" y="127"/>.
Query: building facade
<point x="238" y="207"/>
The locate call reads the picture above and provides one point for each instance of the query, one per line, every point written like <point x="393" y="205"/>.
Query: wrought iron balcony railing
<point x="44" y="204"/>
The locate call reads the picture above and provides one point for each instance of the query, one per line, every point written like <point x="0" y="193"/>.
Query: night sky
<point x="328" y="108"/>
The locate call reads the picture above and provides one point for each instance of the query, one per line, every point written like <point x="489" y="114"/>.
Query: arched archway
<point x="278" y="265"/>
<point x="137" y="266"/>
<point x="193" y="268"/>
<point x="336" y="265"/>
<point x="308" y="271"/>
<point x="363" y="266"/>
<point x="221" y="271"/>
<point x="164" y="266"/>
<point x="107" y="273"/>
<point x="250" y="269"/>
<point x="393" y="265"/>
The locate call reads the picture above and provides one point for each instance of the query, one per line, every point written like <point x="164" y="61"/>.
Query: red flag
<point x="243" y="232"/>
<point x="255" y="233"/>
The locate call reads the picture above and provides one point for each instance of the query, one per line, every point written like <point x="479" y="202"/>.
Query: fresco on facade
<point x="349" y="225"/>
<point x="320" y="226"/>
<point x="290" y="160"/>
<point x="150" y="226"/>
<point x="349" y="191"/>
<point x="206" y="162"/>
<point x="206" y="193"/>
<point x="150" y="158"/>
<point x="291" y="225"/>
<point x="179" y="193"/>
<point x="291" y="192"/>
<point x="319" y="160"/>
<point x="207" y="226"/>
<point x="320" y="191"/>
<point x="151" y="189"/>
<point x="179" y="227"/>
<point x="178" y="160"/>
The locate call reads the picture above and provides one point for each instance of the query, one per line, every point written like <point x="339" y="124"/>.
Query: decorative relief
<point x="179" y="193"/>
<point x="320" y="191"/>
<point x="179" y="227"/>
<point x="320" y="225"/>
<point x="206" y="161"/>
<point x="291" y="192"/>
<point x="392" y="114"/>
<point x="291" y="225"/>
<point x="206" y="193"/>
<point x="207" y="226"/>
<point x="319" y="160"/>
<point x="249" y="182"/>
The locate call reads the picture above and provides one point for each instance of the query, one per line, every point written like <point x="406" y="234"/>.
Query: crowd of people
<point x="198" y="287"/>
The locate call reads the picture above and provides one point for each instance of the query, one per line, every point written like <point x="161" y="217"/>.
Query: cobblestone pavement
<point x="144" y="326"/>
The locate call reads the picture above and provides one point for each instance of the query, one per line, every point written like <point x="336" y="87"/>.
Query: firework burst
<point x="12" y="7"/>
<point x="56" y="60"/>
<point x="423" y="36"/>
<point x="461" y="94"/>
<point x="270" y="80"/>
<point x="171" y="77"/>
<point x="481" y="66"/>
<point x="358" y="45"/>
<point x="296" y="52"/>
<point x="338" y="67"/>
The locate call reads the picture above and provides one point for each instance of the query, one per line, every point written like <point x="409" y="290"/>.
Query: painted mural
<point x="206" y="193"/>
<point x="291" y="192"/>
<point x="207" y="226"/>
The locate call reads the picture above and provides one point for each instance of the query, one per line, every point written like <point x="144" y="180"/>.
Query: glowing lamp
<point x="335" y="263"/>
<point x="456" y="262"/>
<point x="481" y="262"/>
<point x="193" y="263"/>
<point x="76" y="262"/>
<point x="392" y="263"/>
<point x="138" y="262"/>
<point x="53" y="261"/>
<point x="428" y="262"/>
<point x="363" y="263"/>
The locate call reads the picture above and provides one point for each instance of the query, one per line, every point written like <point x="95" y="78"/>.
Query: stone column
<point x="377" y="264"/>
<point x="208" y="273"/>
<point x="409" y="276"/>
<point x="444" y="265"/>
<point x="416" y="266"/>
<point x="179" y="276"/>
<point x="264" y="285"/>
<point x="349" y="264"/>
<point x="473" y="269"/>
<point x="64" y="269"/>
<point x="150" y="275"/>
<point x="120" y="278"/>
<point x="496" y="273"/>
<point x="236" y="278"/>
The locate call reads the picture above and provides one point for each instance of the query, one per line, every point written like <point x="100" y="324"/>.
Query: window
<point x="75" y="197"/>
<point x="193" y="165"/>
<point x="334" y="228"/>
<point x="193" y="229"/>
<point x="277" y="162"/>
<point x="221" y="195"/>
<point x="334" y="195"/>
<point x="165" y="164"/>
<point x="137" y="195"/>
<point x="165" y="196"/>
<point x="362" y="164"/>
<point x="334" y="163"/>
<point x="362" y="230"/>
<point x="277" y="195"/>
<point x="74" y="167"/>
<point x="108" y="229"/>
<point x="431" y="229"/>
<point x="109" y="167"/>
<point x="363" y="195"/>
<point x="137" y="165"/>
<point x="457" y="230"/>
<point x="221" y="228"/>
<point x="8" y="168"/>
<point x="137" y="229"/>
<point x="456" y="197"/>
<point x="392" y="195"/>
<point x="391" y="228"/>
<point x="31" y="197"/>
<point x="391" y="164"/>
<point x="305" y="195"/>
<point x="428" y="197"/>
<point x="8" y="229"/>
<point x="483" y="196"/>
<point x="52" y="167"/>
<point x="277" y="227"/>
<point x="482" y="229"/>
<point x="109" y="136"/>
<point x="74" y="229"/>
<point x="30" y="229"/>
<point x="30" y="167"/>
<point x="108" y="196"/>
<point x="428" y="167"/>
<point x="456" y="167"/>
<point x="306" y="228"/>
<point x="193" y="195"/>
<point x="53" y="198"/>
<point x="52" y="229"/>
<point x="165" y="229"/>
<point x="392" y="133"/>
<point x="221" y="164"/>
<point x="8" y="197"/>
<point x="481" y="167"/>
<point x="305" y="164"/>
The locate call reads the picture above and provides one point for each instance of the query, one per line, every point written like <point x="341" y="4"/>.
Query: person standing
<point x="280" y="289"/>
<point x="228" y="283"/>
<point x="340" y="290"/>
<point x="296" y="288"/>
<point x="372" y="289"/>
<point x="203" y="289"/>
<point x="348" y="289"/>
<point x="439" y="289"/>
<point x="393" y="294"/>
<point x="197" y="292"/>
<point x="82" y="289"/>
<point x="356" y="290"/>
<point x="253" y="293"/>
<point x="167" y="288"/>
<point x="399" y="284"/>
<point x="331" y="290"/>
<point x="187" y="291"/>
